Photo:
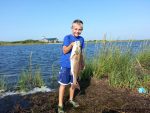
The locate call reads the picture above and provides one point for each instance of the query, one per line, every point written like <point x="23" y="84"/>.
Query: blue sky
<point x="33" y="19"/>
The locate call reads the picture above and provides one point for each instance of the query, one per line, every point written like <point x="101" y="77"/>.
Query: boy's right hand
<point x="66" y="49"/>
<point x="72" y="44"/>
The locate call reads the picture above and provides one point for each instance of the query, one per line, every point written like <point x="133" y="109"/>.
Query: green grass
<point x="87" y="72"/>
<point x="121" y="68"/>
<point x="143" y="68"/>
<point x="30" y="78"/>
<point x="144" y="59"/>
<point x="53" y="79"/>
<point x="2" y="83"/>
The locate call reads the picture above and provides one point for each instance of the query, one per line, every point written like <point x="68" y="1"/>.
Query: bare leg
<point x="61" y="94"/>
<point x="72" y="89"/>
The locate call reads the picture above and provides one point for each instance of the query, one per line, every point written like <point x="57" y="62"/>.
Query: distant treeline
<point x="30" y="41"/>
<point x="101" y="41"/>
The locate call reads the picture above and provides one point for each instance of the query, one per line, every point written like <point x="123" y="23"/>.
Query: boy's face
<point x="77" y="29"/>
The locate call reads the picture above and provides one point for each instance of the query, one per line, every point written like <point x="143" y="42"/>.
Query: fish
<point x="75" y="60"/>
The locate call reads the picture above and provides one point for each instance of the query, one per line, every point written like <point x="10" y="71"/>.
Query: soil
<point x="95" y="96"/>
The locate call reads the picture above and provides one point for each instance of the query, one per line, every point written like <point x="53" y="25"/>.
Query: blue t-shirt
<point x="65" y="58"/>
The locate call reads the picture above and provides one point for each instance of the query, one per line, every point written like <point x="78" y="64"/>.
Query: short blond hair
<point x="77" y="21"/>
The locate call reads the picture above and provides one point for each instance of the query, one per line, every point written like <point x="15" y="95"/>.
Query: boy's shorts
<point x="65" y="77"/>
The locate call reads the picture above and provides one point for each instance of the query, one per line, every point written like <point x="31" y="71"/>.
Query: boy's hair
<point x="77" y="21"/>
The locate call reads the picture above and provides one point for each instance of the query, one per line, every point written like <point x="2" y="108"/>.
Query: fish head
<point x="78" y="43"/>
<point x="77" y="47"/>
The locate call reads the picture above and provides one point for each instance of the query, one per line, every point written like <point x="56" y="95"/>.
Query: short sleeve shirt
<point x="65" y="58"/>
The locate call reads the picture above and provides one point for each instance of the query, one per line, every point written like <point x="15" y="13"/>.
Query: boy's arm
<point x="66" y="49"/>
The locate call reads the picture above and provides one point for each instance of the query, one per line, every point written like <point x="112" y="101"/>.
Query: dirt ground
<point x="95" y="96"/>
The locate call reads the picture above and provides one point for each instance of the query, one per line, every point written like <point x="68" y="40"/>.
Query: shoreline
<point x="3" y="43"/>
<point x="27" y="44"/>
<point x="95" y="96"/>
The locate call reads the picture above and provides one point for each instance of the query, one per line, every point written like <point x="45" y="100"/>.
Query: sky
<point x="36" y="19"/>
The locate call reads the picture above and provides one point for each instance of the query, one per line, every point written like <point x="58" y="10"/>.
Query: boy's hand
<point x="66" y="49"/>
<point x="72" y="44"/>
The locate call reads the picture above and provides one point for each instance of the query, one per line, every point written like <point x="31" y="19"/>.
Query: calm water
<point x="14" y="59"/>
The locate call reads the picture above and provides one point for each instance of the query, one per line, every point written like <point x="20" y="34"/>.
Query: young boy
<point x="65" y="78"/>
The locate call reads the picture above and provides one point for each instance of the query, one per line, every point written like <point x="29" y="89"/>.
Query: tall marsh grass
<point x="30" y="78"/>
<point x="53" y="79"/>
<point x="119" y="65"/>
<point x="143" y="68"/>
<point x="2" y="83"/>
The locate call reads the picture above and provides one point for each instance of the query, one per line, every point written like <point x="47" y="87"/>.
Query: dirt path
<point x="96" y="96"/>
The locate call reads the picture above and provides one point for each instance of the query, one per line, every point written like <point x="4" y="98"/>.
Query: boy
<point x="65" y="78"/>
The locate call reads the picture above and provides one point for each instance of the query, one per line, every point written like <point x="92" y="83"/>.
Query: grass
<point x="29" y="78"/>
<point x="143" y="68"/>
<point x="53" y="79"/>
<point x="144" y="59"/>
<point x="2" y="83"/>
<point x="120" y="66"/>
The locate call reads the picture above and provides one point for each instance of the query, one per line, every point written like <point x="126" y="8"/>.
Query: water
<point x="14" y="59"/>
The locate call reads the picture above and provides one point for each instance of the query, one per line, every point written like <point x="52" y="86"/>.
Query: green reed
<point x="87" y="72"/>
<point x="2" y="83"/>
<point x="53" y="79"/>
<point x="120" y="67"/>
<point x="30" y="78"/>
<point x="122" y="72"/>
<point x="142" y="65"/>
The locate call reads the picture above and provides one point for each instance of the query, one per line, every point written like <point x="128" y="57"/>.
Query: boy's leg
<point x="61" y="94"/>
<point x="71" y="101"/>
<point x="72" y="89"/>
<point x="63" y="80"/>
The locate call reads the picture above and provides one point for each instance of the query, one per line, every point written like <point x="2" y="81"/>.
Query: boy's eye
<point x="78" y="29"/>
